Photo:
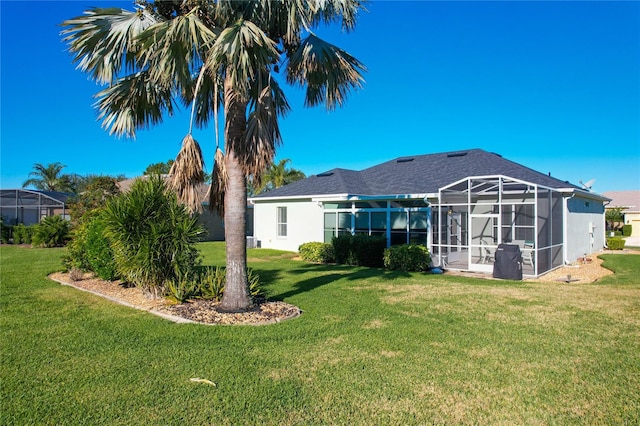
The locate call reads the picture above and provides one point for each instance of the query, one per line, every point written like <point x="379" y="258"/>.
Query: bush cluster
<point x="615" y="243"/>
<point x="147" y="238"/>
<point x="23" y="234"/>
<point x="317" y="252"/>
<point x="89" y="248"/>
<point x="359" y="250"/>
<point x="407" y="258"/>
<point x="626" y="230"/>
<point x="52" y="231"/>
<point x="208" y="283"/>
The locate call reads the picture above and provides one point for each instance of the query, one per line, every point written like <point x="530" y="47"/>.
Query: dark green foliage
<point x="5" y="231"/>
<point x="53" y="231"/>
<point x="407" y="258"/>
<point x="158" y="168"/>
<point x="152" y="235"/>
<point x="23" y="234"/>
<point x="99" y="252"/>
<point x="615" y="243"/>
<point x="359" y="250"/>
<point x="317" y="252"/>
<point x="626" y="230"/>
<point x="98" y="190"/>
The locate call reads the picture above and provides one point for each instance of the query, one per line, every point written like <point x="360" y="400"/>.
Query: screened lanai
<point x="28" y="206"/>
<point x="471" y="217"/>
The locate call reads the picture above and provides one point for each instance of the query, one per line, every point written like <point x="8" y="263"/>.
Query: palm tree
<point x="49" y="178"/>
<point x="209" y="55"/>
<point x="278" y="174"/>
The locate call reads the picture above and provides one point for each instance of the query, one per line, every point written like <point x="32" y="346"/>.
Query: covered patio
<point x="472" y="216"/>
<point x="28" y="206"/>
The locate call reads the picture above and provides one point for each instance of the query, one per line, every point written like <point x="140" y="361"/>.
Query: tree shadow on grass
<point x="332" y="273"/>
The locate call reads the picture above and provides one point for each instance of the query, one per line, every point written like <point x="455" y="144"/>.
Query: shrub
<point x="208" y="283"/>
<point x="615" y="243"/>
<point x="76" y="257"/>
<point x="98" y="250"/>
<point x="407" y="258"/>
<point x="182" y="288"/>
<point x="17" y="233"/>
<point x="360" y="250"/>
<point x="626" y="230"/>
<point x="317" y="252"/>
<point x="369" y="250"/>
<point x="152" y="235"/>
<point x="53" y="231"/>
<point x="342" y="249"/>
<point x="5" y="231"/>
<point x="255" y="288"/>
<point x="212" y="281"/>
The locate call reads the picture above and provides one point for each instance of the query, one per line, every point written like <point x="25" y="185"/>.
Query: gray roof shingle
<point x="414" y="175"/>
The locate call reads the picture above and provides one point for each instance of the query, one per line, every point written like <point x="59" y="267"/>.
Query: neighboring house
<point x="460" y="204"/>
<point x="629" y="202"/>
<point x="211" y="221"/>
<point x="29" y="206"/>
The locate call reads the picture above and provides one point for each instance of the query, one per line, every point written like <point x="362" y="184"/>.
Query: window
<point x="282" y="222"/>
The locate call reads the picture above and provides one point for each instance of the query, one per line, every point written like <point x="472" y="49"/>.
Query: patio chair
<point x="527" y="253"/>
<point x="486" y="253"/>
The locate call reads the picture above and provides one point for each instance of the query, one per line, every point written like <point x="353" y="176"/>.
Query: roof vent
<point x="404" y="160"/>
<point x="457" y="154"/>
<point x="325" y="174"/>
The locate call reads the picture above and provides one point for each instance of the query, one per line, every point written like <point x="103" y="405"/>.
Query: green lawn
<point x="371" y="347"/>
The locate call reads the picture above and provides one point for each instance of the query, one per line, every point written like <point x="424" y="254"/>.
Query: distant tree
<point x="97" y="191"/>
<point x="86" y="182"/>
<point x="613" y="216"/>
<point x="158" y="168"/>
<point x="277" y="175"/>
<point x="49" y="178"/>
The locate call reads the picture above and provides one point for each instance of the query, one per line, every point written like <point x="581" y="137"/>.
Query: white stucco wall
<point x="305" y="223"/>
<point x="585" y="228"/>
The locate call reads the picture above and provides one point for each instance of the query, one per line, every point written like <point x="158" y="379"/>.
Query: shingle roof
<point x="419" y="174"/>
<point x="628" y="199"/>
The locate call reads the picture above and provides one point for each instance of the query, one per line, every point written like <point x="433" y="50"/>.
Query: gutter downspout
<point x="565" y="220"/>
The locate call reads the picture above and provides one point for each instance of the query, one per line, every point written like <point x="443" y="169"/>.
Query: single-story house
<point x="210" y="220"/>
<point x="28" y="206"/>
<point x="461" y="205"/>
<point x="629" y="202"/>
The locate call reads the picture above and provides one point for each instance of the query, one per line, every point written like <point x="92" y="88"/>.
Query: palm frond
<point x="187" y="174"/>
<point x="218" y="183"/>
<point x="329" y="72"/>
<point x="173" y="50"/>
<point x="344" y="11"/>
<point x="103" y="41"/>
<point x="261" y="138"/>
<point x="245" y="51"/>
<point x="132" y="103"/>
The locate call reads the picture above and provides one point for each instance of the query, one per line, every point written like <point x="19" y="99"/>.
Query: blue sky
<point x="552" y="85"/>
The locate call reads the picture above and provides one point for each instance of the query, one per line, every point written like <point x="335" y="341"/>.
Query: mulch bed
<point x="197" y="311"/>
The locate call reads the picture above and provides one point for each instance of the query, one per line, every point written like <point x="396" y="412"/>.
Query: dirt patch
<point x="198" y="311"/>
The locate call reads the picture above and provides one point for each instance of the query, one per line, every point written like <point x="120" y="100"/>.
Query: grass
<point x="372" y="347"/>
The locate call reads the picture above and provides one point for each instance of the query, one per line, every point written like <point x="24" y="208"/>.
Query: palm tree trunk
<point x="236" y="292"/>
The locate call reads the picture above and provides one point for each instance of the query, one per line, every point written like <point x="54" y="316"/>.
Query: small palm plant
<point x="152" y="235"/>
